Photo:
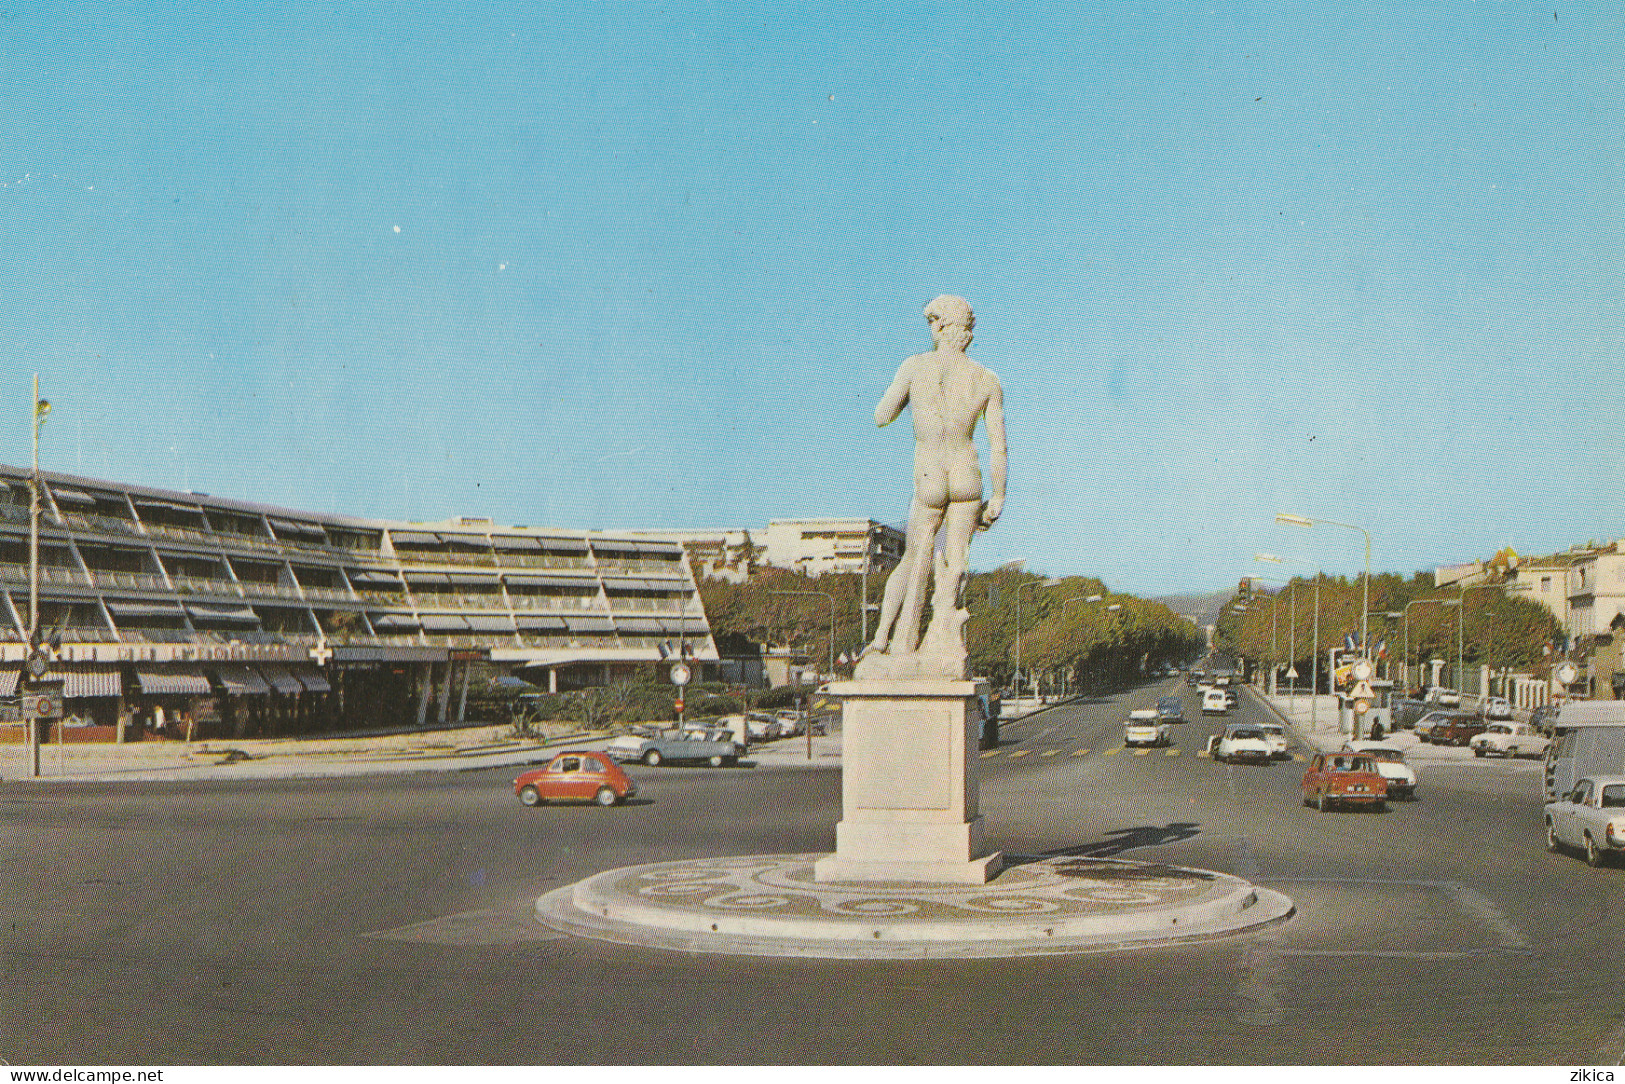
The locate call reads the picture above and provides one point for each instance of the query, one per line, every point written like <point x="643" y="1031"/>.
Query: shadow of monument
<point x="1120" y="840"/>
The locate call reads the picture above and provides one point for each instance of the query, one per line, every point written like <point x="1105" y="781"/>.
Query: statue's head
<point x="951" y="321"/>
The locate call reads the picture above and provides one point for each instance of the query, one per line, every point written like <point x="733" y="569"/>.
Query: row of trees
<point x="1497" y="630"/>
<point x="1072" y="630"/>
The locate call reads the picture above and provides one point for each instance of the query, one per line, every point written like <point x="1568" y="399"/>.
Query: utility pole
<point x="34" y="670"/>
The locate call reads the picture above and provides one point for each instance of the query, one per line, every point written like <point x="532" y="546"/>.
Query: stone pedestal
<point x="909" y="784"/>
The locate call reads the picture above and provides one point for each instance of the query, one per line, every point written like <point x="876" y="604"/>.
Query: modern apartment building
<point x="261" y="620"/>
<point x="812" y="546"/>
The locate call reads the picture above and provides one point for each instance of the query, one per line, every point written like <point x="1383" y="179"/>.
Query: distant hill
<point x="1204" y="608"/>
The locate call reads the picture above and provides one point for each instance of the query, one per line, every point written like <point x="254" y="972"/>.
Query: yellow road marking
<point x="1019" y="753"/>
<point x="1081" y="753"/>
<point x="1142" y="752"/>
<point x="1171" y="753"/>
<point x="990" y="753"/>
<point x="1201" y="752"/>
<point x="1049" y="752"/>
<point x="1113" y="751"/>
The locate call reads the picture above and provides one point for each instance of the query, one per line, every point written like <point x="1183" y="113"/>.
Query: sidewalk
<point x="314" y="758"/>
<point x="1300" y="718"/>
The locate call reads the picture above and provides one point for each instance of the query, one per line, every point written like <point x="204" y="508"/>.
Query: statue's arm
<point x="997" y="455"/>
<point x="896" y="397"/>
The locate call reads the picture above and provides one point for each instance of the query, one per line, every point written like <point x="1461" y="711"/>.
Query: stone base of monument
<point x="774" y="905"/>
<point x="909" y="795"/>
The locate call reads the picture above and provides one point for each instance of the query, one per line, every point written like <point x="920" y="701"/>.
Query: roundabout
<point x="771" y="905"/>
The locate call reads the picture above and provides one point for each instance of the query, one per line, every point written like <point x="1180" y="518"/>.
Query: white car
<point x="1497" y="709"/>
<point x="1400" y="776"/>
<point x="1275" y="734"/>
<point x="1509" y="739"/>
<point x="1590" y="817"/>
<point x="1243" y="742"/>
<point x="1214" y="702"/>
<point x="1144" y="728"/>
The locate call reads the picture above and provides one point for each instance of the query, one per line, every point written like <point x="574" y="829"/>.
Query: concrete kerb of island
<point x="772" y="905"/>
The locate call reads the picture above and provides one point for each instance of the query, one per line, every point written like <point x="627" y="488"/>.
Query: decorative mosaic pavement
<point x="772" y="905"/>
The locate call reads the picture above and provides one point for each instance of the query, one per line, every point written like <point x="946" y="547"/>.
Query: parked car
<point x="791" y="722"/>
<point x="1407" y="710"/>
<point x="1335" y="779"/>
<point x="1496" y="708"/>
<point x="1459" y="729"/>
<point x="1146" y="728"/>
<point x="1426" y="724"/>
<point x="715" y="747"/>
<point x="1540" y="719"/>
<point x="759" y="726"/>
<point x="1590" y="817"/>
<point x="1400" y="776"/>
<point x="1440" y="697"/>
<point x="1214" y="702"/>
<point x="575" y="776"/>
<point x="1509" y="739"/>
<point x="1275" y="734"/>
<point x="1241" y="742"/>
<point x="1171" y="708"/>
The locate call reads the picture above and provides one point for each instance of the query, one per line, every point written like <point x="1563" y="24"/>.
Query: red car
<point x="575" y="776"/>
<point x="1343" y="779"/>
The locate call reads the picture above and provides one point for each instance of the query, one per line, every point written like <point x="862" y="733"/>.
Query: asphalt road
<point x="387" y="920"/>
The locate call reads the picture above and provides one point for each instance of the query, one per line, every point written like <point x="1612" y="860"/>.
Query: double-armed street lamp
<point x="1291" y="520"/>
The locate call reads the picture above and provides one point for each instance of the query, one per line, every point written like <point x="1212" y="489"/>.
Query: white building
<point x="812" y="546"/>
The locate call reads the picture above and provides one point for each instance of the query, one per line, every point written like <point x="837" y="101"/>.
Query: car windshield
<point x="1392" y="755"/>
<point x="1256" y="735"/>
<point x="1348" y="764"/>
<point x="1613" y="796"/>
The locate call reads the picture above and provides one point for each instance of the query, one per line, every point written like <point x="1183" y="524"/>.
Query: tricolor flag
<point x="1382" y="649"/>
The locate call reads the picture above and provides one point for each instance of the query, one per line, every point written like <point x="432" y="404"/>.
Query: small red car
<point x="575" y="776"/>
<point x="1343" y="779"/>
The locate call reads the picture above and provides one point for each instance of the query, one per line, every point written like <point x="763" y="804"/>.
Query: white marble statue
<point x="948" y="393"/>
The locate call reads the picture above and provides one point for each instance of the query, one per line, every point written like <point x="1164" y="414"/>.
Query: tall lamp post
<point x="1111" y="607"/>
<point x="1405" y="659"/>
<point x="1275" y="600"/>
<point x="1019" y="586"/>
<point x="1304" y="521"/>
<point x="1314" y="650"/>
<point x="1461" y="607"/>
<point x="42" y="408"/>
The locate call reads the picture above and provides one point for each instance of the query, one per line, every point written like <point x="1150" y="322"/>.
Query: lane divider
<point x="1019" y="753"/>
<point x="990" y="753"/>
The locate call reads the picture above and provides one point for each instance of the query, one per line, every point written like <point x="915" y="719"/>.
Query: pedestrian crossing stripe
<point x="1201" y="752"/>
<point x="1113" y="751"/>
<point x="1049" y="752"/>
<point x="1020" y="753"/>
<point x="1171" y="753"/>
<point x="1142" y="752"/>
<point x="990" y="753"/>
<point x="1080" y="753"/>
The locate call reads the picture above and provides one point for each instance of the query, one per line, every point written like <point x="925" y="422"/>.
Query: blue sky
<point x="637" y="265"/>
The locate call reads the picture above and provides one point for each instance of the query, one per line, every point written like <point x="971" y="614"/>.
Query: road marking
<point x="1203" y="753"/>
<point x="1019" y="753"/>
<point x="1472" y="903"/>
<point x="1171" y="753"/>
<point x="496" y="926"/>
<point x="1378" y="954"/>
<point x="1049" y="752"/>
<point x="1113" y="751"/>
<point x="1142" y="752"/>
<point x="1081" y="753"/>
<point x="990" y="753"/>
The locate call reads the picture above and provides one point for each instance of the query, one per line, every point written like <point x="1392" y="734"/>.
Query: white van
<point x="1214" y="702"/>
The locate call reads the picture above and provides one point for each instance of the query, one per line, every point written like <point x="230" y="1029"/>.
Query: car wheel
<point x="1594" y="855"/>
<point x="652" y="758"/>
<point x="606" y="796"/>
<point x="1551" y="837"/>
<point x="1512" y="751"/>
<point x="530" y="796"/>
<point x="1478" y="751"/>
<point x="715" y="762"/>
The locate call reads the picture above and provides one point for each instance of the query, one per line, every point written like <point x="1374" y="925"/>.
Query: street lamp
<point x="1087" y="598"/>
<point x="1019" y="586"/>
<point x="1304" y="521"/>
<point x="1314" y="650"/>
<point x="831" y="598"/>
<point x="1405" y="659"/>
<point x="1275" y="608"/>
<point x="1461" y="608"/>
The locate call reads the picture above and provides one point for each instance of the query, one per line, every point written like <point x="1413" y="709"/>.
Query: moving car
<point x="1241" y="742"/>
<point x="1509" y="739"/>
<point x="575" y="776"/>
<point x="715" y="747"/>
<point x="1459" y="729"/>
<point x="1335" y="779"/>
<point x="1427" y="723"/>
<point x="1275" y="734"/>
<point x="1399" y="776"/>
<point x="1171" y="708"/>
<point x="1590" y="817"/>
<point x="1145" y="728"/>
<point x="1496" y="708"/>
<point x="1214" y="702"/>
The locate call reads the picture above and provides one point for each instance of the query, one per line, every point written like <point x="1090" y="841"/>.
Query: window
<point x="568" y="764"/>
<point x="1613" y="796"/>
<point x="1545" y="584"/>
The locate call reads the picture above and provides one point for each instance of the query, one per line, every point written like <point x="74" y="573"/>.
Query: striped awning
<point x="86" y="679"/>
<point x="241" y="681"/>
<point x="281" y="681"/>
<point x="312" y="679"/>
<point x="175" y="682"/>
<point x="8" y="681"/>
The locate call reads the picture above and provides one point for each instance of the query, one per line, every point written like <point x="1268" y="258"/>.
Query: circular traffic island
<point x="771" y="905"/>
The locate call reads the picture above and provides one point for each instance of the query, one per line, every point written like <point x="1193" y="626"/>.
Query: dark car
<point x="1171" y="708"/>
<point x="1458" y="729"/>
<point x="1541" y="718"/>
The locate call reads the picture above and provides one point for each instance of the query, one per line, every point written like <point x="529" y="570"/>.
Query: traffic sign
<point x="1292" y="672"/>
<point x="680" y="675"/>
<point x="1567" y="673"/>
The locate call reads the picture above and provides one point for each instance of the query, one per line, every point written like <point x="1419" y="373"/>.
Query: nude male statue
<point x="948" y="393"/>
